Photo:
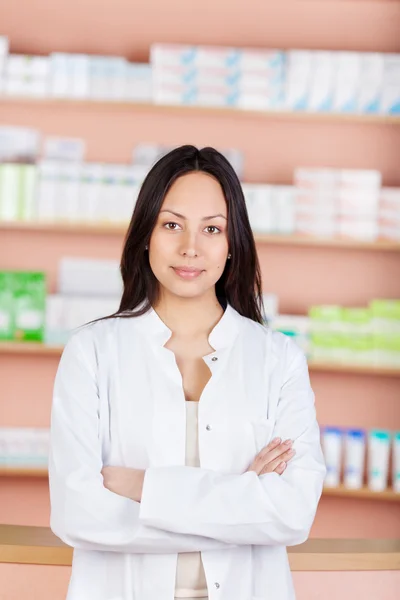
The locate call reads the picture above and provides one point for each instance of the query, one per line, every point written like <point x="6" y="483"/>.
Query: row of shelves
<point x="339" y="491"/>
<point x="203" y="110"/>
<point x="41" y="349"/>
<point x="120" y="230"/>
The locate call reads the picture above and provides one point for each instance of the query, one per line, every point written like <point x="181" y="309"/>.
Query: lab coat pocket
<point x="261" y="428"/>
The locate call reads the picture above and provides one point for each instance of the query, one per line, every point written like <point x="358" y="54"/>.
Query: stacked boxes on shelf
<point x="24" y="448"/>
<point x="365" y="336"/>
<point x="216" y="76"/>
<point x="349" y="453"/>
<point x="337" y="202"/>
<point x="262" y="79"/>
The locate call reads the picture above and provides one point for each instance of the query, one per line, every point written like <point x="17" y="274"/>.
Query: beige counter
<point x="39" y="546"/>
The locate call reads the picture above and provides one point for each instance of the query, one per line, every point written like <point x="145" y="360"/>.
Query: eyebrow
<point x="184" y="218"/>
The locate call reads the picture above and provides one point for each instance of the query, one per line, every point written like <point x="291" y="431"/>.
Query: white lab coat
<point x="118" y="401"/>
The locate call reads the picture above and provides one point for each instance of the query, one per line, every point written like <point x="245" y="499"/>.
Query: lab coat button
<point x="214" y="358"/>
<point x="216" y="584"/>
<point x="208" y="427"/>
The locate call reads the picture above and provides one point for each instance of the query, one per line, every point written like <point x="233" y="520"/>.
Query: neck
<point x="189" y="316"/>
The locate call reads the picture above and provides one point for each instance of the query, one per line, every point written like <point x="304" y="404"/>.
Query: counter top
<point x="39" y="546"/>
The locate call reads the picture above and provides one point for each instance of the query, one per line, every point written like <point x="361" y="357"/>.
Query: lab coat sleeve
<point x="84" y="514"/>
<point x="246" y="508"/>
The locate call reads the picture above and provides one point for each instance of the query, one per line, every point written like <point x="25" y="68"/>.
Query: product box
<point x="322" y="83"/>
<point x="63" y="148"/>
<point x="259" y="208"/>
<point x="89" y="277"/>
<point x="19" y="144"/>
<point x="346" y="82"/>
<point x="172" y="55"/>
<point x="26" y="75"/>
<point x="390" y="98"/>
<point x="108" y="77"/>
<point x="370" y="83"/>
<point x="326" y="332"/>
<point x="22" y="305"/>
<point x="64" y="314"/>
<point x="23" y="447"/>
<point x="6" y="306"/>
<point x="298" y="79"/>
<point x="139" y="82"/>
<point x="386" y="327"/>
<point x="69" y="75"/>
<point x="358" y="228"/>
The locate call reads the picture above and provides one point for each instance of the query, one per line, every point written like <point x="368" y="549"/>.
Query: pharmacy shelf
<point x="364" y="492"/>
<point x="39" y="473"/>
<point x="332" y="367"/>
<point x="39" y="348"/>
<point x="278" y="240"/>
<point x="340" y="491"/>
<point x="49" y="103"/>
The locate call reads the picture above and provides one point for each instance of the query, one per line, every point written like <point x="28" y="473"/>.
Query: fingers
<point x="279" y="462"/>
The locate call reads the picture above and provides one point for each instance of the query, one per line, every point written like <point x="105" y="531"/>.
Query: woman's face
<point x="189" y="244"/>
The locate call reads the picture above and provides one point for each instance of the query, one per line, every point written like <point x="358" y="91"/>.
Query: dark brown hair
<point x="239" y="284"/>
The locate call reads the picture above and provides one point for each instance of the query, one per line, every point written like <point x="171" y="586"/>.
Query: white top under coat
<point x="119" y="401"/>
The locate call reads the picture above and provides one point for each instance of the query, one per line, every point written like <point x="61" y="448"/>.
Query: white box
<point x="90" y="191"/>
<point x="139" y="86"/>
<point x="69" y="75"/>
<point x="370" y="84"/>
<point x="67" y="200"/>
<point x="360" y="229"/>
<point x="347" y="78"/>
<point x="298" y="79"/>
<point x="390" y="100"/>
<point x="322" y="81"/>
<point x="62" y="148"/>
<point x="283" y="209"/>
<point x="325" y="180"/>
<point x="108" y="77"/>
<point x="259" y="208"/>
<point x="89" y="277"/>
<point x="47" y="190"/>
<point x="316" y="226"/>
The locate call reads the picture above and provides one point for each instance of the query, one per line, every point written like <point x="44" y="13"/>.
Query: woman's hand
<point x="123" y="481"/>
<point x="273" y="457"/>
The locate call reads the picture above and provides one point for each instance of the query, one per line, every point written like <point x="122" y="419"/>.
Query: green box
<point x="29" y="298"/>
<point x="6" y="306"/>
<point x="22" y="305"/>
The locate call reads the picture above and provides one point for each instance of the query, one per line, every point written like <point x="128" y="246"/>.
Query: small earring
<point x="146" y="247"/>
<point x="229" y="255"/>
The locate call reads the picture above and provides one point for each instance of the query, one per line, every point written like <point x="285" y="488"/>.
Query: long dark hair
<point x="240" y="283"/>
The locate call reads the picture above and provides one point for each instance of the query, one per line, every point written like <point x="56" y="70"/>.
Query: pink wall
<point x="272" y="149"/>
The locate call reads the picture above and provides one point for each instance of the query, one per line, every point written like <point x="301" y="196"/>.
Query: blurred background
<point x="303" y="97"/>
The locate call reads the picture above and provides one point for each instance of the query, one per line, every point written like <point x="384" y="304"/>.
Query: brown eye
<point x="212" y="229"/>
<point x="171" y="226"/>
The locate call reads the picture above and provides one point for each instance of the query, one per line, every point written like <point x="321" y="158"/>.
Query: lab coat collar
<point x="222" y="336"/>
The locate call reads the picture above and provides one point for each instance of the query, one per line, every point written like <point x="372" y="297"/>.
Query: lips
<point x="187" y="272"/>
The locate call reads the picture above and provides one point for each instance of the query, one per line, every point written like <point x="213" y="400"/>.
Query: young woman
<point x="185" y="452"/>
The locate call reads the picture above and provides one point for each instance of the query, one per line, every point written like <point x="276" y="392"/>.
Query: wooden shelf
<point x="332" y="367"/>
<point x="199" y="110"/>
<point x="278" y="240"/>
<point x="37" y="473"/>
<point x="39" y="348"/>
<point x="340" y="491"/>
<point x="24" y="544"/>
<point x="30" y="348"/>
<point x="364" y="493"/>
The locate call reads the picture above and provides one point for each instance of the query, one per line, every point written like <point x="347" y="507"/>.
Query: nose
<point x="189" y="245"/>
